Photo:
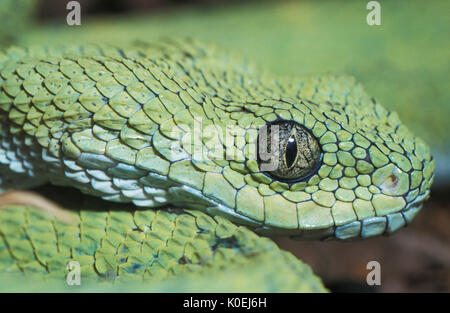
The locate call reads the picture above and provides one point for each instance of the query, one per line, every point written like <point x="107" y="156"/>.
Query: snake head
<point x="323" y="169"/>
<point x="352" y="172"/>
<point x="191" y="126"/>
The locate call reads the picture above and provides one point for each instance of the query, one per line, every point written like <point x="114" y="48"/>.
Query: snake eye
<point x="287" y="151"/>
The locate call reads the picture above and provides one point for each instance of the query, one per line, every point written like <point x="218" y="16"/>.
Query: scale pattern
<point x="114" y="123"/>
<point x="152" y="250"/>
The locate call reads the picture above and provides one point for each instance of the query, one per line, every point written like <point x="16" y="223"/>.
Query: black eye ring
<point x="296" y="154"/>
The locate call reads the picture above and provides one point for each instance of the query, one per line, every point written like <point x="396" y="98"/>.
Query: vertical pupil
<point x="291" y="151"/>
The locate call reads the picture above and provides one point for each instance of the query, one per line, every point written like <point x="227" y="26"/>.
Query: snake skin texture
<point x="163" y="250"/>
<point x="111" y="122"/>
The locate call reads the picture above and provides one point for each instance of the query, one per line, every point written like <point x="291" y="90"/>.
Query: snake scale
<point x="123" y="124"/>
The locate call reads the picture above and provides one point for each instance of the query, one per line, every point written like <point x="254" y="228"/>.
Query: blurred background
<point x="403" y="63"/>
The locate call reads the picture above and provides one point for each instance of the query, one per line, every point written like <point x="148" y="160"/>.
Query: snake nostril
<point x="393" y="179"/>
<point x="390" y="184"/>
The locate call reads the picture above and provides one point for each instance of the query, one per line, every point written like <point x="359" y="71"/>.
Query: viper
<point x="204" y="151"/>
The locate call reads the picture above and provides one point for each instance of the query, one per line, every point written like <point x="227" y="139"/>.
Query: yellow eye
<point x="287" y="151"/>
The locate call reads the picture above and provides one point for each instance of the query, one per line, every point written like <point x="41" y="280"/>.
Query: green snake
<point x="184" y="131"/>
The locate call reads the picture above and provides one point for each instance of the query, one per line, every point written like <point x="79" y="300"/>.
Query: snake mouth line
<point x="356" y="230"/>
